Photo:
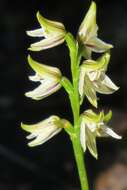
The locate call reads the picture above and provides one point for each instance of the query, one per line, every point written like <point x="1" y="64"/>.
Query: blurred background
<point x="52" y="165"/>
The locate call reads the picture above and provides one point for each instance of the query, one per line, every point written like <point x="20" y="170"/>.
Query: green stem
<point x="79" y="157"/>
<point x="75" y="104"/>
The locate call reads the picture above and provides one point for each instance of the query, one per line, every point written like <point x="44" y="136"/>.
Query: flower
<point x="87" y="34"/>
<point x="93" y="79"/>
<point x="43" y="131"/>
<point x="94" y="125"/>
<point x="52" y="32"/>
<point x="48" y="76"/>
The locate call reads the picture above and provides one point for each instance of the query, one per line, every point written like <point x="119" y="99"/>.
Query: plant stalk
<point x="75" y="58"/>
<point x="79" y="157"/>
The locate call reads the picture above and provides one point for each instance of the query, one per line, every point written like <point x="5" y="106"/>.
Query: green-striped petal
<point x="44" y="70"/>
<point x="91" y="142"/>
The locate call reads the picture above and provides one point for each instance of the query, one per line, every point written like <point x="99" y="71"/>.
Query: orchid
<point x="52" y="32"/>
<point x="88" y="77"/>
<point x="48" y="76"/>
<point x="43" y="131"/>
<point x="93" y="79"/>
<point x="87" y="34"/>
<point x="94" y="125"/>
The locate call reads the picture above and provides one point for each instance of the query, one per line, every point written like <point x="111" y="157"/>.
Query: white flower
<point x="48" y="76"/>
<point x="52" y="33"/>
<point x="93" y="79"/>
<point x="92" y="126"/>
<point x="43" y="131"/>
<point x="87" y="34"/>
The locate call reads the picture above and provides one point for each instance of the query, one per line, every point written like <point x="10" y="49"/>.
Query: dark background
<point x="52" y="165"/>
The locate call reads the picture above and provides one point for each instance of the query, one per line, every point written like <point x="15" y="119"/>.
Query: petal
<point x="100" y="65"/>
<point x="111" y="133"/>
<point x="39" y="140"/>
<point x="81" y="83"/>
<point x="98" y="45"/>
<point x="103" y="61"/>
<point x="47" y="43"/>
<point x="107" y="81"/>
<point x="31" y="136"/>
<point x="46" y="123"/>
<point x="105" y="86"/>
<point x="108" y="117"/>
<point x="90" y="92"/>
<point x="35" y="78"/>
<point x="91" y="95"/>
<point x="94" y="75"/>
<point x="83" y="135"/>
<point x="50" y="26"/>
<point x="86" y="52"/>
<point x="28" y="128"/>
<point x="88" y="27"/>
<point x="92" y="117"/>
<point x="45" y="89"/>
<point x="91" y="143"/>
<point x="44" y="71"/>
<point x="36" y="33"/>
<point x="37" y="128"/>
<point x="92" y="126"/>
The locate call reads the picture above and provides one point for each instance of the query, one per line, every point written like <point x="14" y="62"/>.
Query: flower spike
<point x="53" y="34"/>
<point x="94" y="125"/>
<point x="48" y="76"/>
<point x="43" y="131"/>
<point x="93" y="79"/>
<point x="87" y="34"/>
